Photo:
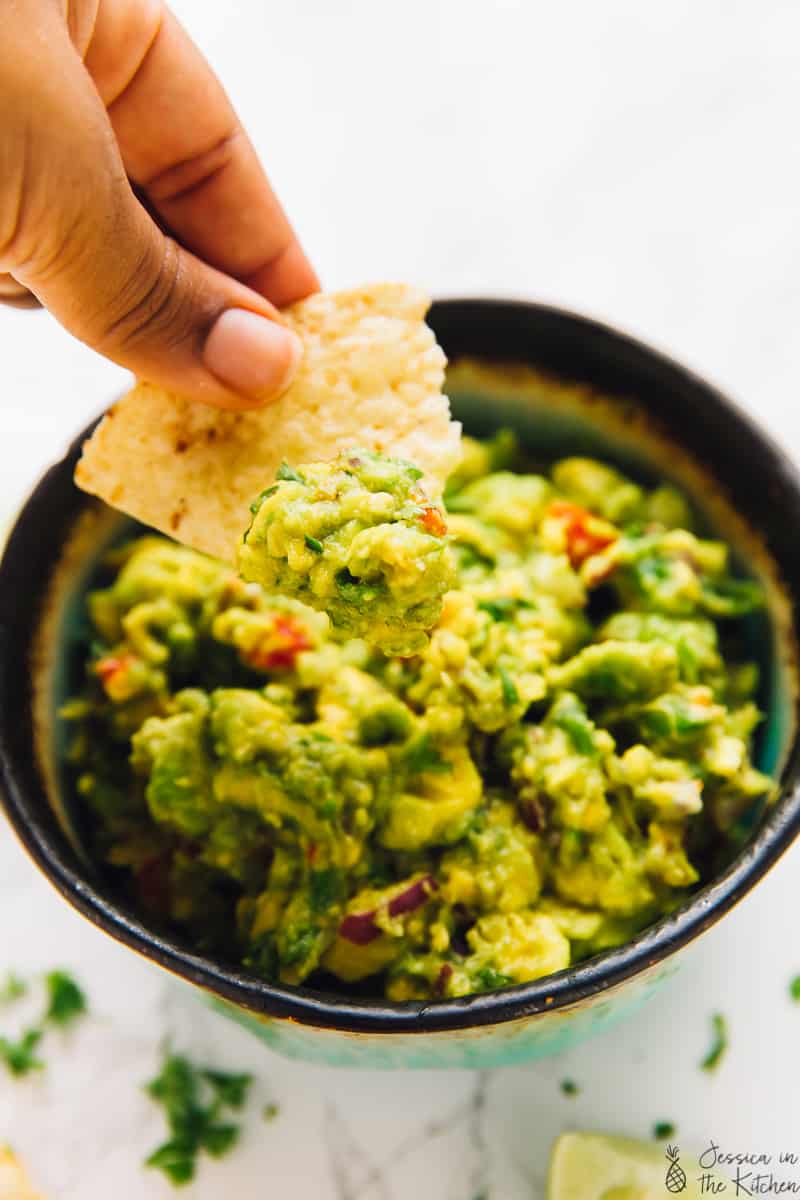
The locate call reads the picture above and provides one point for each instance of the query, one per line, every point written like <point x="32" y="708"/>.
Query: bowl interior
<point x="575" y="388"/>
<point x="552" y="418"/>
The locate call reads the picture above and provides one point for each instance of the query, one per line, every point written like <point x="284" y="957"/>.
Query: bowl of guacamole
<point x="426" y="782"/>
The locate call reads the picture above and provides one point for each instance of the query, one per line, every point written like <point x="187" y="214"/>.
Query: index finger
<point x="183" y="145"/>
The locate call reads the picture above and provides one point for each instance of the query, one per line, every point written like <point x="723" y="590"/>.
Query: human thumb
<point x="74" y="233"/>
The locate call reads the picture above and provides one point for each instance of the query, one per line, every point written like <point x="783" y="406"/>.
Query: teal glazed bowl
<point x="567" y="385"/>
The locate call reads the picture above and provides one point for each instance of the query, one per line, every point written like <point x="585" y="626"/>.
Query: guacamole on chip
<point x="340" y="798"/>
<point x="359" y="538"/>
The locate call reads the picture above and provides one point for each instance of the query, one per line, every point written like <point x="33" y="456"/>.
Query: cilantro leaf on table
<point x="194" y="1100"/>
<point x="230" y="1089"/>
<point x="66" y="1000"/>
<point x="664" y="1131"/>
<point x="12" y="988"/>
<point x="176" y="1158"/>
<point x="719" y="1043"/>
<point x="218" y="1140"/>
<point x="20" y="1056"/>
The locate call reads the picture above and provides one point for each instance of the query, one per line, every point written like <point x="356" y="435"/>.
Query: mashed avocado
<point x="556" y="766"/>
<point x="359" y="539"/>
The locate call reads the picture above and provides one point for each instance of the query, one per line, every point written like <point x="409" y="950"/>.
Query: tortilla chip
<point x="371" y="377"/>
<point x="14" y="1183"/>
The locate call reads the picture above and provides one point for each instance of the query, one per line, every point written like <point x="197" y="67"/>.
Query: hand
<point x="113" y="128"/>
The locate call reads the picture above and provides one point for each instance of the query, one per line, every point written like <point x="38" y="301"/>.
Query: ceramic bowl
<point x="568" y="385"/>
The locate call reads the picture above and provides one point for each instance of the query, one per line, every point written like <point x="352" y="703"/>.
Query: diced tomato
<point x="311" y="851"/>
<point x="585" y="533"/>
<point x="433" y="521"/>
<point x="111" y="665"/>
<point x="112" y="671"/>
<point x="279" y="649"/>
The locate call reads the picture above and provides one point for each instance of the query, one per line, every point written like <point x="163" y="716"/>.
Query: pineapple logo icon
<point x="676" y="1176"/>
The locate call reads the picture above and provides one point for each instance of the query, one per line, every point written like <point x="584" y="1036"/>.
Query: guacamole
<point x="359" y="539"/>
<point x="558" y="765"/>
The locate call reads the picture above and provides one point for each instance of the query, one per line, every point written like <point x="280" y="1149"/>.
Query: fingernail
<point x="252" y="355"/>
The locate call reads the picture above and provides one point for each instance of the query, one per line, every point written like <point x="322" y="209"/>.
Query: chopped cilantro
<point x="503" y="607"/>
<point x="719" y="1043"/>
<point x="218" y="1140"/>
<point x="568" y="714"/>
<point x="288" y="474"/>
<point x="663" y="1131"/>
<point x="794" y="988"/>
<point x="314" y="544"/>
<point x="19" y="1056"/>
<point x="262" y="957"/>
<point x="193" y="1101"/>
<point x="489" y="978"/>
<point x="299" y="943"/>
<point x="422" y="755"/>
<point x="176" y="1159"/>
<point x="256" y="505"/>
<point x="12" y="988"/>
<point x="66" y="1000"/>
<point x="510" y="693"/>
<point x="230" y="1089"/>
<point x="269" y="1112"/>
<point x="325" y="887"/>
<point x="569" y="1087"/>
<point x="500" y="609"/>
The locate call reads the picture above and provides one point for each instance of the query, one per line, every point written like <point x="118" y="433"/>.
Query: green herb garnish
<point x="288" y="474"/>
<point x="719" y="1043"/>
<point x="489" y="978"/>
<point x="13" y="988"/>
<point x="20" y="1056"/>
<point x="314" y="544"/>
<point x="663" y="1131"/>
<point x="325" y="888"/>
<point x="500" y="609"/>
<point x="422" y="755"/>
<point x="66" y="1000"/>
<point x="569" y="1087"/>
<point x="256" y="505"/>
<point x="794" y="988"/>
<point x="193" y="1101"/>
<point x="230" y="1089"/>
<point x="510" y="693"/>
<point x="269" y="1112"/>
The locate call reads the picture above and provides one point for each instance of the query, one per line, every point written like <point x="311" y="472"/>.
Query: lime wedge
<point x="593" y="1166"/>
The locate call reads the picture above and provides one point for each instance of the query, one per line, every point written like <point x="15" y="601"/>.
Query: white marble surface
<point x="639" y="162"/>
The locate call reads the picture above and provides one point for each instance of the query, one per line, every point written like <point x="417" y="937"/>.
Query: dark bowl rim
<point x="320" y="1010"/>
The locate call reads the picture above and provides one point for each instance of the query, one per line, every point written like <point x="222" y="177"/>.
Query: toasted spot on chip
<point x="371" y="376"/>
